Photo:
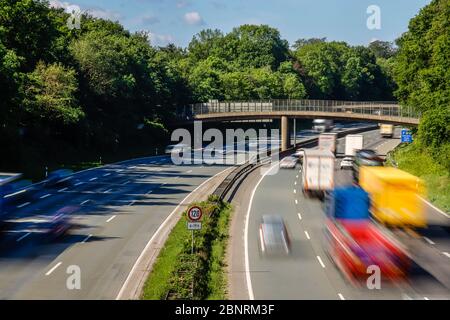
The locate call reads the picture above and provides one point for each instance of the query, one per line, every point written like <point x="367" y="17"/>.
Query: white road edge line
<point x="53" y="269"/>
<point x="110" y="219"/>
<point x="119" y="295"/>
<point x="341" y="296"/>
<point x="321" y="262"/>
<point x="435" y="208"/>
<point x="251" y="296"/>
<point x="23" y="237"/>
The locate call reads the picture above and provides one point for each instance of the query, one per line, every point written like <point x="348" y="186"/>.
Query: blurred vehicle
<point x="365" y="157"/>
<point x="387" y="130"/>
<point x="6" y="189"/>
<point x="299" y="155"/>
<point x="353" y="142"/>
<point x="318" y="171"/>
<point x="273" y="235"/>
<point x="354" y="242"/>
<point x="347" y="163"/>
<point x="288" y="162"/>
<point x="327" y="141"/>
<point x="322" y="125"/>
<point x="57" y="225"/>
<point x="61" y="177"/>
<point x="177" y="148"/>
<point x="395" y="196"/>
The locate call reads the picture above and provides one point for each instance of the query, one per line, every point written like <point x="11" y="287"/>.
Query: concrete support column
<point x="285" y="137"/>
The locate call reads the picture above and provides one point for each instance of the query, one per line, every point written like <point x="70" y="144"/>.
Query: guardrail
<point x="379" y="108"/>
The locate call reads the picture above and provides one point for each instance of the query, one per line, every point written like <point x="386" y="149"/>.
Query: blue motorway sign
<point x="406" y="136"/>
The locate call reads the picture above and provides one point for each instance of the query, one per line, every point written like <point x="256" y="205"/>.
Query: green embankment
<point x="419" y="162"/>
<point x="178" y="274"/>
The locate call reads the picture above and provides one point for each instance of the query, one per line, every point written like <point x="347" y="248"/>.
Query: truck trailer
<point x="353" y="142"/>
<point x="387" y="130"/>
<point x="317" y="172"/>
<point x="327" y="141"/>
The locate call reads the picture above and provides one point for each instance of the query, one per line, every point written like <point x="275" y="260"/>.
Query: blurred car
<point x="21" y="190"/>
<point x="288" y="162"/>
<point x="365" y="157"/>
<point x="273" y="235"/>
<point x="347" y="163"/>
<point x="61" y="222"/>
<point x="177" y="148"/>
<point x="61" y="177"/>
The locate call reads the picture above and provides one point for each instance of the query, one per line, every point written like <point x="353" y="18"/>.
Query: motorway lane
<point x="127" y="203"/>
<point x="308" y="273"/>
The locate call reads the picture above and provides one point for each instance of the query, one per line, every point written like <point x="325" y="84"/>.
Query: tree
<point x="50" y="95"/>
<point x="382" y="49"/>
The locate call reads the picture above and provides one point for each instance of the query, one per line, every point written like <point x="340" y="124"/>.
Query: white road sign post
<point x="194" y="215"/>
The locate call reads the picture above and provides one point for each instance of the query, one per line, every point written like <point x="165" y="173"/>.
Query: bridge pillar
<point x="285" y="138"/>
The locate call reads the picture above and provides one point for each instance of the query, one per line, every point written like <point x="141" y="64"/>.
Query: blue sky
<point x="178" y="20"/>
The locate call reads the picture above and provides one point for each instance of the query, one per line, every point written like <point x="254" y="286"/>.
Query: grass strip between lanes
<point x="178" y="274"/>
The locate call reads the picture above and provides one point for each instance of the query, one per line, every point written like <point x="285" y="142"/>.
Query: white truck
<point x="317" y="172"/>
<point x="353" y="142"/>
<point x="386" y="130"/>
<point x="327" y="141"/>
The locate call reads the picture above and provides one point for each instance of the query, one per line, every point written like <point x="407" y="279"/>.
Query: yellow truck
<point x="395" y="196"/>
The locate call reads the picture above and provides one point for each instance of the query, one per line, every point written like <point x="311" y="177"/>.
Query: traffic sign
<point x="194" y="225"/>
<point x="194" y="213"/>
<point x="406" y="136"/>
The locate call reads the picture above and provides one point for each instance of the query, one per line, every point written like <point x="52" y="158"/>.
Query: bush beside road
<point x="178" y="274"/>
<point x="420" y="163"/>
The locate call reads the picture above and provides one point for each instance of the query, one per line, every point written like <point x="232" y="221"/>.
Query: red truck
<point x="355" y="243"/>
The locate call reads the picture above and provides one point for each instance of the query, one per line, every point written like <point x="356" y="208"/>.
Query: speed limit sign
<point x="194" y="213"/>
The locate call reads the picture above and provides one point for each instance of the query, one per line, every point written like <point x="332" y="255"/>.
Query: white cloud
<point x="160" y="39"/>
<point x="193" y="18"/>
<point x="96" y="12"/>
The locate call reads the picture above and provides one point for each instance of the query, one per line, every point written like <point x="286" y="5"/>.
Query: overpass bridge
<point x="370" y="111"/>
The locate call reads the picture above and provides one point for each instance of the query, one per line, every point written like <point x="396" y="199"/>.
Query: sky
<point x="176" y="21"/>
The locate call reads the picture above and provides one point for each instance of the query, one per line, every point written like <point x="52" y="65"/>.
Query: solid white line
<point x="84" y="202"/>
<point x="299" y="216"/>
<point x="63" y="189"/>
<point x="435" y="208"/>
<point x="23" y="205"/>
<point x="247" y="264"/>
<point x="45" y="196"/>
<point x="446" y="254"/>
<point x="429" y="240"/>
<point x="79" y="183"/>
<point x="341" y="296"/>
<point x="119" y="295"/>
<point x="86" y="239"/>
<point x="24" y="236"/>
<point x="53" y="269"/>
<point x="110" y="219"/>
<point x="321" y="262"/>
<point x="307" y="235"/>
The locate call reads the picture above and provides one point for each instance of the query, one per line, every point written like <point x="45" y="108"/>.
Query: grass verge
<point x="419" y="162"/>
<point x="178" y="274"/>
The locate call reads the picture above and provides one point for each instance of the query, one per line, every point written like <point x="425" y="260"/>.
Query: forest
<point x="103" y="89"/>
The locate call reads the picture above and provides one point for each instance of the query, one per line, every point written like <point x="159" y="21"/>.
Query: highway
<point x="308" y="273"/>
<point x="119" y="209"/>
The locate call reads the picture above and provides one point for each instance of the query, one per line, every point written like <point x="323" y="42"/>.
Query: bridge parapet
<point x="371" y="110"/>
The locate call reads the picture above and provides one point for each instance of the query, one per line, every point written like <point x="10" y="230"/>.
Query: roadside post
<point x="194" y="215"/>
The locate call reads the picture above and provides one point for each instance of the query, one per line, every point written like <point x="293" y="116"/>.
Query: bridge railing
<point x="380" y="108"/>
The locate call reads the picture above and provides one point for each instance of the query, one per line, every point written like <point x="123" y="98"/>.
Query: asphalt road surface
<point x="308" y="273"/>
